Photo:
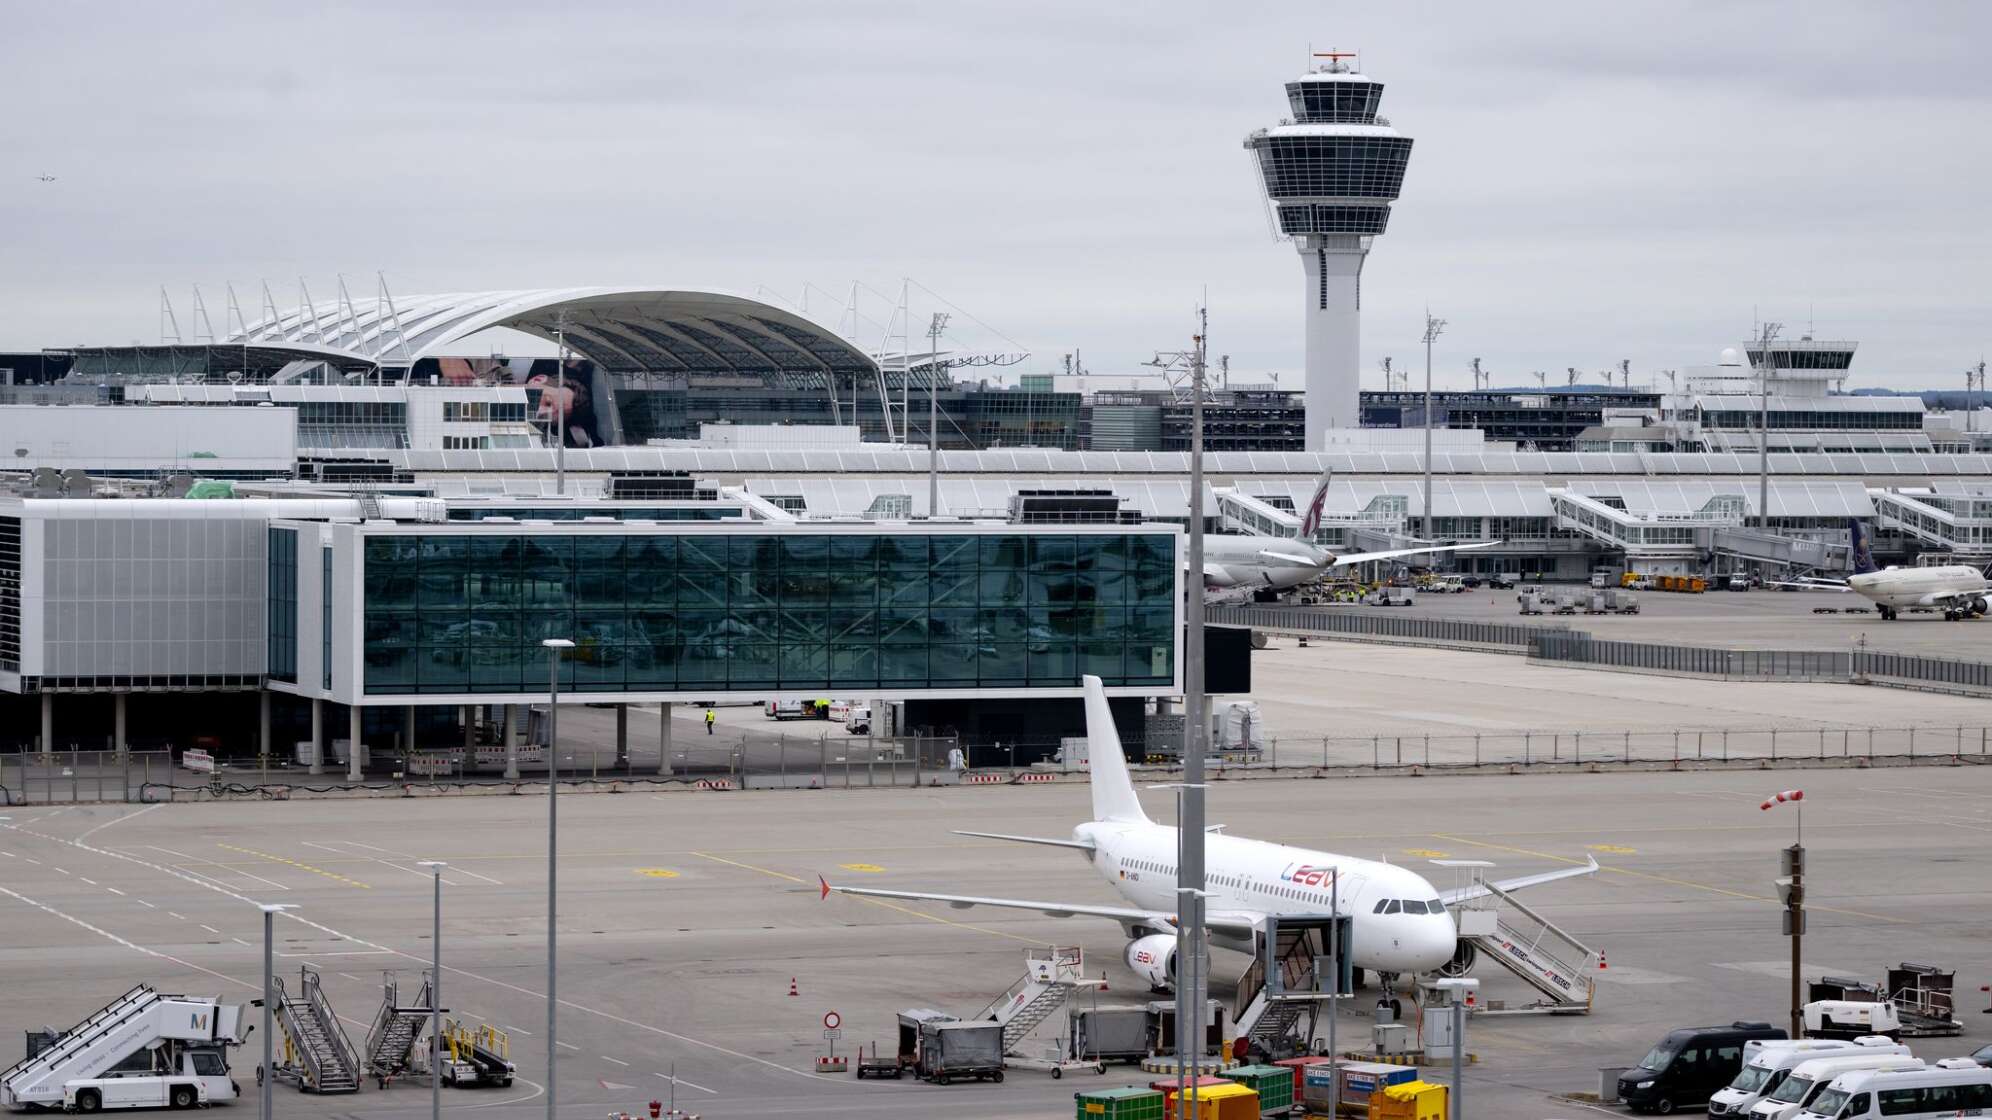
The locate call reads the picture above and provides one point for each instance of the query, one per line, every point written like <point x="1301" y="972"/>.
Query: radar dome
<point x="1730" y="357"/>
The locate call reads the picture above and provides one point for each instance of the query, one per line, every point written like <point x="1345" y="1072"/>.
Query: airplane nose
<point x="1434" y="942"/>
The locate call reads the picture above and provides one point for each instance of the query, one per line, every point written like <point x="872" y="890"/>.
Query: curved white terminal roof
<point x="655" y="330"/>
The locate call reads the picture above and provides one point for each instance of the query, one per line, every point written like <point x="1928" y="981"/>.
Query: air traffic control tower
<point x="1330" y="175"/>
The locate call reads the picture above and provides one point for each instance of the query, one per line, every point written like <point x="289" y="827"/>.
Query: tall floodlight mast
<point x="1330" y="174"/>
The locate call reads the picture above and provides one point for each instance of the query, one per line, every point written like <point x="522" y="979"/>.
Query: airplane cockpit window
<point x="1380" y="904"/>
<point x="1390" y="907"/>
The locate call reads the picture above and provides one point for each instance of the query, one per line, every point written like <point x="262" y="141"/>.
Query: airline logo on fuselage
<point x="1307" y="875"/>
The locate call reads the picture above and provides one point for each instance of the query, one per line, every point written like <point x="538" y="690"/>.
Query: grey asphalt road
<point x="685" y="916"/>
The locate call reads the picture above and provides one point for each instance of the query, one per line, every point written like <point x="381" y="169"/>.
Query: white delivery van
<point x="1766" y="1062"/>
<point x="1809" y="1077"/>
<point x="1952" y="1087"/>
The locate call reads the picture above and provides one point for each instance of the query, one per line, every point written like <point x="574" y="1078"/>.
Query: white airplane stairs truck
<point x="142" y="1050"/>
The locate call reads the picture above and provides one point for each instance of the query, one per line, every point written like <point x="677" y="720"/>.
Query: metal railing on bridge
<point x="1372" y="626"/>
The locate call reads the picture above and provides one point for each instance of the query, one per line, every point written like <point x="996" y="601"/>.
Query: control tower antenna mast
<point x="1330" y="174"/>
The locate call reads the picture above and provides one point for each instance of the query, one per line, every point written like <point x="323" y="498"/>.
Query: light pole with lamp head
<point x="555" y="647"/>
<point x="266" y="1079"/>
<point x="435" y="867"/>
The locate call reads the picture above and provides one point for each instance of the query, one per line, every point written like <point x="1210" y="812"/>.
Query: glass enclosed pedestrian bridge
<point x="1957" y="522"/>
<point x="1681" y="522"/>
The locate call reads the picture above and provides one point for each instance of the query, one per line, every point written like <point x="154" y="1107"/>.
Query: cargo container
<point x="1109" y="1034"/>
<point x="1119" y="1104"/>
<point x="1216" y="1099"/>
<point x="1299" y="1067"/>
<point x="957" y="1050"/>
<point x="1274" y="1084"/>
<point x="1409" y="1100"/>
<point x="1359" y="1080"/>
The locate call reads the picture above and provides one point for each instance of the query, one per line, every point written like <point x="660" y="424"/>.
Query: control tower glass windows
<point x="1302" y="218"/>
<point x="1341" y="102"/>
<point x="1334" y="166"/>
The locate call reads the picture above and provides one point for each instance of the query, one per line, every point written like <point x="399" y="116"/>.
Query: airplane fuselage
<point x="1920" y="587"/>
<point x="1241" y="561"/>
<point x="1139" y="861"/>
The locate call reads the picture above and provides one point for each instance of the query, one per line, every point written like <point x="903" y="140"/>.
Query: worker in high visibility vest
<point x="709" y="720"/>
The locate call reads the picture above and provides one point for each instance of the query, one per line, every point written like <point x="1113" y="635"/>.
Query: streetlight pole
<point x="560" y="430"/>
<point x="1196" y="722"/>
<point x="934" y="329"/>
<point x="435" y="867"/>
<point x="1765" y="335"/>
<point x="266" y="1078"/>
<point x="554" y="648"/>
<point x="1433" y="329"/>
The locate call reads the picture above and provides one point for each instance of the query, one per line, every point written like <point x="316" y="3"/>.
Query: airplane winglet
<point x="822" y="888"/>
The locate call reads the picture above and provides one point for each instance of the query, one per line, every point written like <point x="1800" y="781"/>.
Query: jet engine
<point x="1153" y="958"/>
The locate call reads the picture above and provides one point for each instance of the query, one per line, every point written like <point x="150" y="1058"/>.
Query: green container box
<point x="1274" y="1084"/>
<point x="1122" y="1104"/>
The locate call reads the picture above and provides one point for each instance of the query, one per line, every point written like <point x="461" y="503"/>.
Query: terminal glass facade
<point x="823" y="613"/>
<point x="283" y="605"/>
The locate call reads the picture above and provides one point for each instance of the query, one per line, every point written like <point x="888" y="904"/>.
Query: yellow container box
<point x="1409" y="1100"/>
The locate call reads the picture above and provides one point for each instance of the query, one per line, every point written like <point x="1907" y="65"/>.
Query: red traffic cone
<point x="1601" y="960"/>
<point x="793" y="992"/>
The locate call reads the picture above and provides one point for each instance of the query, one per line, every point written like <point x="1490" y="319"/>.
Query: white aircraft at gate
<point x="1398" y="922"/>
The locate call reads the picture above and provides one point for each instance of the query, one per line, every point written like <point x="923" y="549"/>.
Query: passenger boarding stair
<point x="1049" y="979"/>
<point x="1268" y="1008"/>
<point x="391" y="1040"/>
<point x="317" y="1055"/>
<point x="1525" y="943"/>
<point x="138" y="1020"/>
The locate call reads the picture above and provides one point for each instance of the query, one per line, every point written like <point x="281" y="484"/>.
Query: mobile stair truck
<point x="317" y="1056"/>
<point x="141" y="1050"/>
<point x="391" y="1040"/>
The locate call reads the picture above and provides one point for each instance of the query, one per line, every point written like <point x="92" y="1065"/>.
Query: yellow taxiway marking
<point x="865" y="867"/>
<point x="887" y="903"/>
<point x="1612" y="849"/>
<point x="332" y="875"/>
<point x="1424" y="853"/>
<point x="1666" y="879"/>
<point x="657" y="872"/>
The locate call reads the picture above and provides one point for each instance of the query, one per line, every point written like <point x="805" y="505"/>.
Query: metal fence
<point x="1382" y="626"/>
<point x="1776" y="664"/>
<point x="43" y="778"/>
<point x="1546" y="747"/>
<point x="1930" y="671"/>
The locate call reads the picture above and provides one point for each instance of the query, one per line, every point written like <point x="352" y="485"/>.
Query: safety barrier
<point x="1374" y="625"/>
<point x="1703" y="661"/>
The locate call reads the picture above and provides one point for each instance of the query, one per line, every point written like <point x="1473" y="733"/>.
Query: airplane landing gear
<point x="1887" y="613"/>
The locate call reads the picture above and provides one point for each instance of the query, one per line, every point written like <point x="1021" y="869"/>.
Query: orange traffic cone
<point x="793" y="992"/>
<point x="1601" y="960"/>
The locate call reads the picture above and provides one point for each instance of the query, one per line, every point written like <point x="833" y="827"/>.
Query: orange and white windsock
<point x="1784" y="795"/>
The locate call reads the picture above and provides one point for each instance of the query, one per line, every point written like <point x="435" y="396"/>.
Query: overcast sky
<point x="1590" y="181"/>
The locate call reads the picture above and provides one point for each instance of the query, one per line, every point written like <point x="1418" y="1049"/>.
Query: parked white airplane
<point x="1399" y="923"/>
<point x="1236" y="564"/>
<point x="1959" y="589"/>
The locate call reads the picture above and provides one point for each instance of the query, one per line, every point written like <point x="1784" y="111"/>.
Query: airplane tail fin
<point x="1310" y="522"/>
<point x="1113" y="789"/>
<point x="1863" y="554"/>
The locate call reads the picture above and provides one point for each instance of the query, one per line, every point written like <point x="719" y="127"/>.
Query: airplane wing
<point x="1466" y="894"/>
<point x="1388" y="554"/>
<point x="1294" y="558"/>
<point x="1956" y="593"/>
<point x="1079" y="844"/>
<point x="1239" y="920"/>
<point x="1808" y="584"/>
